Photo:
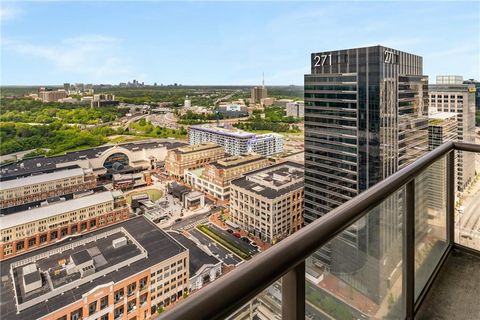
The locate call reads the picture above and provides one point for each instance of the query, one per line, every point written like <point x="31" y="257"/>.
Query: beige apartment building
<point x="191" y="157"/>
<point x="31" y="188"/>
<point x="268" y="203"/>
<point x="52" y="95"/>
<point x="117" y="272"/>
<point x="215" y="177"/>
<point x="50" y="222"/>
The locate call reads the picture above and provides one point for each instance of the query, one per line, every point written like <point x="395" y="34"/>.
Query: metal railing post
<point x="451" y="197"/>
<point x="293" y="293"/>
<point x="409" y="251"/>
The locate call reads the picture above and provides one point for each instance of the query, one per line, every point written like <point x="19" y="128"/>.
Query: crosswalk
<point x="194" y="224"/>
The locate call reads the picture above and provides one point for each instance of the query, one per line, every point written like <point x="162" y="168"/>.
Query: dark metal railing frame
<point x="286" y="259"/>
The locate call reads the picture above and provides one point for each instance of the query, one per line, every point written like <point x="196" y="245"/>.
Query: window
<point x="92" y="308"/>
<point x="118" y="295"/>
<point x="104" y="302"/>
<point x="77" y="314"/>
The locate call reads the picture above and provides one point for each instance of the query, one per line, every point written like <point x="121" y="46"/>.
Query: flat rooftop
<point x="196" y="148"/>
<point x="235" y="161"/>
<point x="230" y="131"/>
<point x="52" y="162"/>
<point x="53" y="209"/>
<point x="273" y="181"/>
<point x="197" y="257"/>
<point x="151" y="245"/>
<point x="42" y="178"/>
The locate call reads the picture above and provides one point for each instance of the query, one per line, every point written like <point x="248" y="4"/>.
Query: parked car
<point x="178" y="220"/>
<point x="245" y="239"/>
<point x="237" y="234"/>
<point x="229" y="230"/>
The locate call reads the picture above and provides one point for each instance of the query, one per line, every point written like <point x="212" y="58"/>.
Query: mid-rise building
<point x="124" y="271"/>
<point x="235" y="141"/>
<point x="52" y="95"/>
<point x="24" y="189"/>
<point x="191" y="157"/>
<point x="258" y="93"/>
<point x="187" y="103"/>
<point x="56" y="219"/>
<point x="103" y="99"/>
<point x="460" y="99"/>
<point x="233" y="110"/>
<point x="366" y="115"/>
<point x="442" y="127"/>
<point x="296" y="109"/>
<point x="215" y="177"/>
<point x="268" y="203"/>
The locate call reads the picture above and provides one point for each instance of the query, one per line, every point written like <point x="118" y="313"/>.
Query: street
<point x="220" y="252"/>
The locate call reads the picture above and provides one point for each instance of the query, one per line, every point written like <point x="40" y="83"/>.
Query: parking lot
<point x="220" y="252"/>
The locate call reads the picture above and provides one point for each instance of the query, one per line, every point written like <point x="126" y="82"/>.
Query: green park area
<point x="227" y="243"/>
<point x="153" y="194"/>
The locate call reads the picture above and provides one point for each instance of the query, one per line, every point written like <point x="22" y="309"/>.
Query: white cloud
<point x="9" y="12"/>
<point x="95" y="58"/>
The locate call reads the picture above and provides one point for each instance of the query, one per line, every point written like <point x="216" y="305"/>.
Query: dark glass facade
<point x="366" y="117"/>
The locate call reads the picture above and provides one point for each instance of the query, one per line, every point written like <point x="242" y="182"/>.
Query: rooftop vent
<point x="119" y="242"/>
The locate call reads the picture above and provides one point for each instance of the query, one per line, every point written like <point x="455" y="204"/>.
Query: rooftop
<point x="230" y="131"/>
<point x="197" y="257"/>
<point x="235" y="161"/>
<point x="196" y="148"/>
<point x="147" y="245"/>
<point x="52" y="162"/>
<point x="41" y="178"/>
<point x="274" y="181"/>
<point x="53" y="209"/>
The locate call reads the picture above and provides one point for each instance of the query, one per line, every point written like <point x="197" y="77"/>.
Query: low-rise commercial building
<point x="215" y="177"/>
<point x="124" y="271"/>
<point x="122" y="158"/>
<point x="191" y="157"/>
<point x="235" y="141"/>
<point x="203" y="266"/>
<point x="296" y="109"/>
<point x="53" y="221"/>
<point x="268" y="203"/>
<point x="24" y="189"/>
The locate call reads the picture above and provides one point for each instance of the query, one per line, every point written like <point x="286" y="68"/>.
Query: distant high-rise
<point x="259" y="93"/>
<point x="458" y="98"/>
<point x="188" y="102"/>
<point x="366" y="115"/>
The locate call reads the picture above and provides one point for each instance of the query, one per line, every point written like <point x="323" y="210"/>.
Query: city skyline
<point x="221" y="43"/>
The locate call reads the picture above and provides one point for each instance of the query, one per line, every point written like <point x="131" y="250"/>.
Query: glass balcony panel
<point x="266" y="305"/>
<point x="430" y="221"/>
<point x="358" y="274"/>
<point x="467" y="204"/>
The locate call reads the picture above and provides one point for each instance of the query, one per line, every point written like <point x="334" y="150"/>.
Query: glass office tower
<point x="366" y="117"/>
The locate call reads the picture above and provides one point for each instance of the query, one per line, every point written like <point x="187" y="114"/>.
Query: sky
<point x="228" y="43"/>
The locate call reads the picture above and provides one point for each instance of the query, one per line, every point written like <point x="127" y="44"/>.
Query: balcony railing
<point x="393" y="250"/>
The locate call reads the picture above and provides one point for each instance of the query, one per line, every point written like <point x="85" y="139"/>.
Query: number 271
<point x="320" y="60"/>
